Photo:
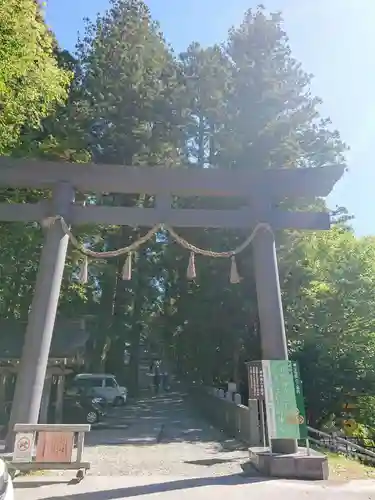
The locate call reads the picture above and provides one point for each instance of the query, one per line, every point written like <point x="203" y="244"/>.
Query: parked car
<point x="83" y="409"/>
<point x="100" y="385"/>
<point x="6" y="485"/>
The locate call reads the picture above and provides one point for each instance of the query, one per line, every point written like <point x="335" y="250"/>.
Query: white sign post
<point x="23" y="447"/>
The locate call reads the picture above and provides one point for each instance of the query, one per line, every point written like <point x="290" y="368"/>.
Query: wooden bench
<point x="49" y="447"/>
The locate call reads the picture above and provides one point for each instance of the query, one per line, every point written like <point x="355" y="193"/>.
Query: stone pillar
<point x="44" y="405"/>
<point x="271" y="316"/>
<point x="60" y="400"/>
<point x="41" y="321"/>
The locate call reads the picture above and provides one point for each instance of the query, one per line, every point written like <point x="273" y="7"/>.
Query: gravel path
<point x="162" y="436"/>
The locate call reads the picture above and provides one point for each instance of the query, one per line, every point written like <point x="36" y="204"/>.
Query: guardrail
<point x="364" y="442"/>
<point x="341" y="445"/>
<point x="49" y="447"/>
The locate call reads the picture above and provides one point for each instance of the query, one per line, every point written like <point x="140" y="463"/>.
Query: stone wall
<point x="225" y="412"/>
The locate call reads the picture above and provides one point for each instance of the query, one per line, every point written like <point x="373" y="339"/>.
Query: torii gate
<point x="262" y="189"/>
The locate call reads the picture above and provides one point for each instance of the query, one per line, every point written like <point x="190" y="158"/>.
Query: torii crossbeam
<point x="262" y="189"/>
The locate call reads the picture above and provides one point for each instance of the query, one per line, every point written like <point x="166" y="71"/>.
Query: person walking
<point x="156" y="376"/>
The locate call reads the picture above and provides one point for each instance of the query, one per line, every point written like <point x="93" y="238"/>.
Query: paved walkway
<point x="162" y="436"/>
<point x="160" y="448"/>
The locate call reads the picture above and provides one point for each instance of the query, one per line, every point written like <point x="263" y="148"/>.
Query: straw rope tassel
<point x="127" y="269"/>
<point x="191" y="273"/>
<point x="135" y="245"/>
<point x="84" y="271"/>
<point x="234" y="276"/>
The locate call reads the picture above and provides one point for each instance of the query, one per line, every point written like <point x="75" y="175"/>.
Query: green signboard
<point x="285" y="409"/>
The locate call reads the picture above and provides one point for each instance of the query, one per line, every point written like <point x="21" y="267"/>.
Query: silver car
<point x="103" y="385"/>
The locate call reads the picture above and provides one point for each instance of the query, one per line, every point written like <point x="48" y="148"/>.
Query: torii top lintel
<point x="275" y="183"/>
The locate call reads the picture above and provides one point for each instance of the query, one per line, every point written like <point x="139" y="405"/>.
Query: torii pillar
<point x="32" y="373"/>
<point x="270" y="311"/>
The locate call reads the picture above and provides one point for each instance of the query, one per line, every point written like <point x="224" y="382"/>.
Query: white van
<point x="103" y="385"/>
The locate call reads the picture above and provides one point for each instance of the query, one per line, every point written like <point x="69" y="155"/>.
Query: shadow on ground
<point x="134" y="491"/>
<point x="23" y="485"/>
<point x="209" y="462"/>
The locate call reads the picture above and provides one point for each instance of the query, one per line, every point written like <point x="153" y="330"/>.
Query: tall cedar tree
<point x="250" y="107"/>
<point x="128" y="87"/>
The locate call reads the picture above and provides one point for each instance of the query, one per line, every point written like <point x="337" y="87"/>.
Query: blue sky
<point x="332" y="38"/>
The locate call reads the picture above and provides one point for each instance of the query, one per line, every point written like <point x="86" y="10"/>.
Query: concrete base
<point x="292" y="466"/>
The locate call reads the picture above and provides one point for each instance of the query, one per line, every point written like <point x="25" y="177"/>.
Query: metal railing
<point x="341" y="445"/>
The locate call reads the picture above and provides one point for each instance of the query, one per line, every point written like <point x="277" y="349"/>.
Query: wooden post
<point x="60" y="399"/>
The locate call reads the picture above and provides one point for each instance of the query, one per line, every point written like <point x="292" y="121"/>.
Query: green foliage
<point x="329" y="304"/>
<point x="31" y="83"/>
<point x="127" y="87"/>
<point x="35" y="78"/>
<point x="366" y="405"/>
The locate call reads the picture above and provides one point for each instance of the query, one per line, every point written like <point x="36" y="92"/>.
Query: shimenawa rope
<point x="126" y="274"/>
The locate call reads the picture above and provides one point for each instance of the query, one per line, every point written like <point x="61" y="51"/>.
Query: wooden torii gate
<point x="261" y="189"/>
